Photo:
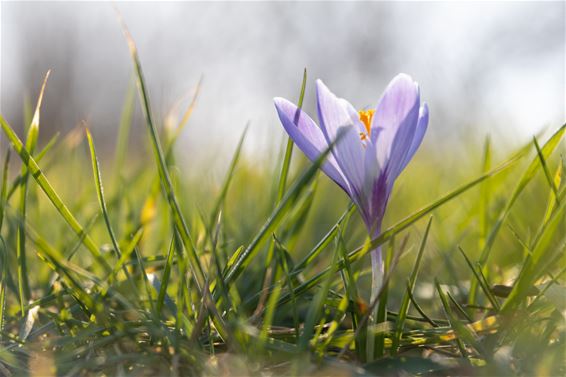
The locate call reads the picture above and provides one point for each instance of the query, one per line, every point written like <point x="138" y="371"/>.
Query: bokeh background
<point x="484" y="67"/>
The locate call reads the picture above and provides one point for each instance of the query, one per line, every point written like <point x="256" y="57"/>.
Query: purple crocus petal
<point x="420" y="131"/>
<point x="378" y="202"/>
<point x="338" y="118"/>
<point x="371" y="167"/>
<point x="395" y="117"/>
<point x="309" y="138"/>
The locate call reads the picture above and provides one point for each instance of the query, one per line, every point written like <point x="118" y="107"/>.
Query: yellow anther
<point x="366" y="116"/>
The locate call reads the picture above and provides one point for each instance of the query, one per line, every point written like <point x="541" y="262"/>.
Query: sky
<point x="492" y="68"/>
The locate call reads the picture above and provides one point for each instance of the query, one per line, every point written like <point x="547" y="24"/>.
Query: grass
<point x="267" y="271"/>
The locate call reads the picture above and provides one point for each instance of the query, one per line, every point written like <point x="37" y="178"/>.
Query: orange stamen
<point x="365" y="117"/>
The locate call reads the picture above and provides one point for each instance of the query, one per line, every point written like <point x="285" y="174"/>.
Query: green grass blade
<point x="31" y="142"/>
<point x="224" y="291"/>
<point x="100" y="192"/>
<point x="159" y="156"/>
<point x="547" y="174"/>
<point x="463" y="333"/>
<point x="350" y="288"/>
<point x="451" y="319"/>
<point x="289" y="148"/>
<point x="280" y="192"/>
<point x="17" y="182"/>
<point x="405" y="303"/>
<point x="377" y="330"/>
<point x="461" y="310"/>
<point x="282" y="260"/>
<point x="288" y="199"/>
<point x="3" y="284"/>
<point x="547" y="221"/>
<point x="527" y="176"/>
<point x="33" y="130"/>
<point x="315" y="310"/>
<point x="541" y="259"/>
<point x="165" y="279"/>
<point x="485" y="189"/>
<point x="359" y="252"/>
<point x="273" y="295"/>
<point x="477" y="274"/>
<point x="146" y="282"/>
<point x="128" y="250"/>
<point x="427" y="318"/>
<point x="229" y="175"/>
<point x="325" y="241"/>
<point x="4" y="189"/>
<point x="380" y="313"/>
<point x="56" y="262"/>
<point x="44" y="184"/>
<point x="552" y="196"/>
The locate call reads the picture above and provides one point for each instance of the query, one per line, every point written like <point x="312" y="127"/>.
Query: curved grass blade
<point x="4" y="190"/>
<point x="359" y="252"/>
<point x="64" y="267"/>
<point x="19" y="179"/>
<point x="552" y="196"/>
<point x="547" y="174"/>
<point x="268" y="276"/>
<point x="159" y="156"/>
<point x="363" y="324"/>
<point x="220" y="201"/>
<point x="100" y="192"/>
<point x="128" y="250"/>
<point x="463" y="333"/>
<point x="44" y="184"/>
<point x="102" y="201"/>
<point x="282" y="208"/>
<point x="290" y="144"/>
<point x="31" y="142"/>
<point x="273" y="293"/>
<point x="479" y="279"/>
<point x="146" y="282"/>
<point x="350" y="287"/>
<point x="325" y="241"/>
<point x="433" y="323"/>
<point x="539" y="261"/>
<point x="315" y="310"/>
<point x="3" y="279"/>
<point x="404" y="309"/>
<point x="282" y="260"/>
<point x="485" y="189"/>
<point x="165" y="279"/>
<point x="459" y="307"/>
<point x="527" y="176"/>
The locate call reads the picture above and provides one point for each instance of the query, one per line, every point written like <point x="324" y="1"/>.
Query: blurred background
<point x="484" y="67"/>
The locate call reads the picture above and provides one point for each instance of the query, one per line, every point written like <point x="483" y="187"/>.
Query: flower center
<point x="365" y="117"/>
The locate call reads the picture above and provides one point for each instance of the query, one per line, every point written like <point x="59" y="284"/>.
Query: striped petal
<point x="420" y="131"/>
<point x="309" y="138"/>
<point x="338" y="118"/>
<point x="395" y="120"/>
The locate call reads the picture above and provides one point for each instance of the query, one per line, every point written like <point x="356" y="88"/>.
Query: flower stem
<point x="377" y="270"/>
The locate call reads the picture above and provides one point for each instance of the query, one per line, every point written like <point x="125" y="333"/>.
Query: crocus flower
<point x="374" y="147"/>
